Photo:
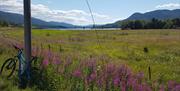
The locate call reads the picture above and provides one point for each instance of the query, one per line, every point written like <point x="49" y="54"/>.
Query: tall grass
<point x="73" y="61"/>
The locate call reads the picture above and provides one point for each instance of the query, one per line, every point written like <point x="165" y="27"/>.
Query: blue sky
<point x="113" y="8"/>
<point x="76" y="11"/>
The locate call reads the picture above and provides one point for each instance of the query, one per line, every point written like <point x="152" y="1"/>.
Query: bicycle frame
<point x="22" y="62"/>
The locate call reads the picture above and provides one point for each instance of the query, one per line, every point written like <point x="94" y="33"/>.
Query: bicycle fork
<point x="23" y="73"/>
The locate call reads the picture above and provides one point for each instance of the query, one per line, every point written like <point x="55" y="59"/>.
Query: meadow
<point x="109" y="60"/>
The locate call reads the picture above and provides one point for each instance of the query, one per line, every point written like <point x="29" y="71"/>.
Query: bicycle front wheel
<point x="8" y="68"/>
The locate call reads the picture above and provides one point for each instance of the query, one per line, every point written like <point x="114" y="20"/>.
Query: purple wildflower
<point x="162" y="88"/>
<point x="77" y="73"/>
<point x="116" y="81"/>
<point x="171" y="85"/>
<point x="49" y="54"/>
<point x="91" y="64"/>
<point x="140" y="87"/>
<point x="146" y="87"/>
<point x="56" y="60"/>
<point x="45" y="62"/>
<point x="177" y="88"/>
<point x="99" y="82"/>
<point x="124" y="72"/>
<point x="123" y="86"/>
<point x="93" y="76"/>
<point x="110" y="68"/>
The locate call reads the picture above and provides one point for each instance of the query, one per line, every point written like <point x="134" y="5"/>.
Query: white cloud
<point x="44" y="12"/>
<point x="169" y="6"/>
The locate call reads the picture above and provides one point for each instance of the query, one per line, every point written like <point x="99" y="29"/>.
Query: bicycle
<point x="9" y="66"/>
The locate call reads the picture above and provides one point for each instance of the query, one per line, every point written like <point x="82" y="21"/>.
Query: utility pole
<point x="27" y="35"/>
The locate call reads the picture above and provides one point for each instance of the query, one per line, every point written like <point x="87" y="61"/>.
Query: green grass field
<point x="118" y="47"/>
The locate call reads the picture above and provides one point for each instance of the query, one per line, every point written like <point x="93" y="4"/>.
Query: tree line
<point x="4" y="24"/>
<point x="8" y="24"/>
<point x="151" y="24"/>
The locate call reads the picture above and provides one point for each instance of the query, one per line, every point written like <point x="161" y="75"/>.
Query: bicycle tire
<point x="8" y="63"/>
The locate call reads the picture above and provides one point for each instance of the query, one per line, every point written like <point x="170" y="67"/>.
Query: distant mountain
<point x="18" y="19"/>
<point x="158" y="14"/>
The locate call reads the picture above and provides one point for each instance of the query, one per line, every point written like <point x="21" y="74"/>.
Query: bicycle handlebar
<point x="17" y="48"/>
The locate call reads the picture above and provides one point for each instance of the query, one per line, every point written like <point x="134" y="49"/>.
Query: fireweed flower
<point x="119" y="75"/>
<point x="99" y="82"/>
<point x="148" y="88"/>
<point x="45" y="53"/>
<point x="162" y="88"/>
<point x="140" y="87"/>
<point x="123" y="86"/>
<point x="77" y="73"/>
<point x="123" y="72"/>
<point x="56" y="60"/>
<point x="45" y="62"/>
<point x="92" y="77"/>
<point x="116" y="81"/>
<point x="177" y="88"/>
<point x="49" y="54"/>
<point x="133" y="83"/>
<point x="110" y="68"/>
<point x="91" y="64"/>
<point x="171" y="85"/>
<point x="129" y="81"/>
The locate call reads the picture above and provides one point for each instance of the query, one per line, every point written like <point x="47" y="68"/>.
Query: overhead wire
<point x="94" y="23"/>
